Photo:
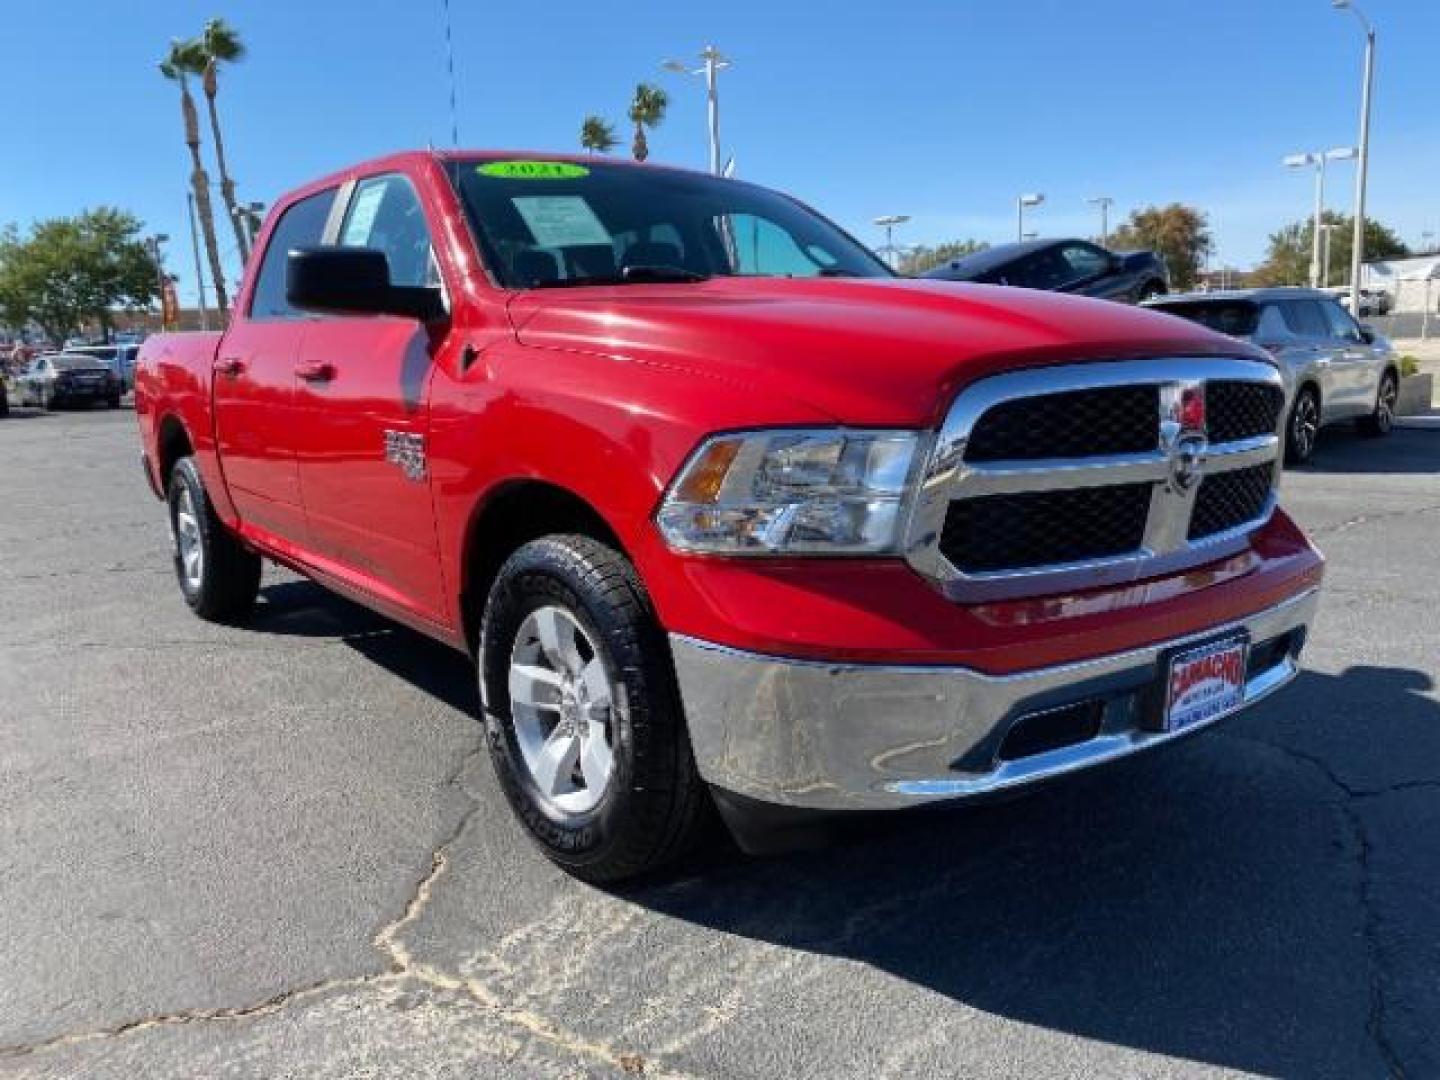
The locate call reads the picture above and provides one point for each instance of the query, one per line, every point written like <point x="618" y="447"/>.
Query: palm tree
<point x="647" y="109"/>
<point x="221" y="44"/>
<point x="187" y="58"/>
<point x="597" y="135"/>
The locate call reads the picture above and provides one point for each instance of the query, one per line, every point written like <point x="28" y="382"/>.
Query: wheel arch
<point x="172" y="442"/>
<point x="512" y="514"/>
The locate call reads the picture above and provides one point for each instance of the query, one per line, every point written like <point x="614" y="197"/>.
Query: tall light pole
<point x="888" y="223"/>
<point x="712" y="63"/>
<point x="199" y="271"/>
<point x="153" y="244"/>
<point x="1104" y="202"/>
<point x="1326" y="228"/>
<point x="1317" y="161"/>
<point x="1021" y="203"/>
<point x="1357" y="247"/>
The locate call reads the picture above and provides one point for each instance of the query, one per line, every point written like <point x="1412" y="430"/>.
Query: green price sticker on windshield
<point x="532" y="170"/>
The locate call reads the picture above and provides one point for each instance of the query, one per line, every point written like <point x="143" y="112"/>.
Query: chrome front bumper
<point x="864" y="736"/>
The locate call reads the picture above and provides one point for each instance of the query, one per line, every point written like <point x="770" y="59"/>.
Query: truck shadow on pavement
<point x="1238" y="899"/>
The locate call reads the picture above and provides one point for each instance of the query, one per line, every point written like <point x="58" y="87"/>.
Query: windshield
<point x="553" y="224"/>
<point x="1234" y="317"/>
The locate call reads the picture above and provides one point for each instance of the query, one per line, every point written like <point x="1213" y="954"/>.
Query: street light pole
<point x="888" y="223"/>
<point x="1318" y="160"/>
<point x="153" y="243"/>
<point x="713" y="62"/>
<point x="199" y="271"/>
<point x="1357" y="247"/>
<point x="1104" y="202"/>
<point x="1020" y="204"/>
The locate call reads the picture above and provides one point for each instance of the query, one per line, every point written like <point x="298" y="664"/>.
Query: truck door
<point x="255" y="406"/>
<point x="364" y="423"/>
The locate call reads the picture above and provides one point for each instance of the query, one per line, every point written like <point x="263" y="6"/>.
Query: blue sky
<point x="943" y="109"/>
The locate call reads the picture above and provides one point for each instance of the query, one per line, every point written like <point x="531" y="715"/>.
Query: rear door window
<point x="1304" y="318"/>
<point x="1238" y="318"/>
<point x="301" y="225"/>
<point x="1084" y="262"/>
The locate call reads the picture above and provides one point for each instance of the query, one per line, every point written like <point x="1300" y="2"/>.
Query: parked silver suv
<point x="1335" y="368"/>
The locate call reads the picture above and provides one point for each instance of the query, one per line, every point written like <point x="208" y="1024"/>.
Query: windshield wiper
<point x="631" y="275"/>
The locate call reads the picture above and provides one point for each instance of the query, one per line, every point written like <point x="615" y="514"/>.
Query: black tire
<point x="113" y="402"/>
<point x="1379" y="422"/>
<point x="654" y="805"/>
<point x="228" y="579"/>
<point x="1302" y="427"/>
<point x="4" y="402"/>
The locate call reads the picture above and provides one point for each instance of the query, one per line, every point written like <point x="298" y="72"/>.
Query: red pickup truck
<point x="726" y="513"/>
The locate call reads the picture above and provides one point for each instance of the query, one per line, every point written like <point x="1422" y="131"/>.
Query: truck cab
<point x="727" y="515"/>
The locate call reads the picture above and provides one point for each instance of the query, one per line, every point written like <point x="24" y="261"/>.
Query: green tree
<point x="1179" y="234"/>
<point x="918" y="259"/>
<point x="647" y="110"/>
<point x="1287" y="259"/>
<point x="187" y="58"/>
<point x="597" y="135"/>
<point x="68" y="271"/>
<point x="220" y="44"/>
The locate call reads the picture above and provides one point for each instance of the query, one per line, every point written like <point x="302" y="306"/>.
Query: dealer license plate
<point x="1205" y="683"/>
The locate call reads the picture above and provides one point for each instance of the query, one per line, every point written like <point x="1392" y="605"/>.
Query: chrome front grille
<point x="1085" y="475"/>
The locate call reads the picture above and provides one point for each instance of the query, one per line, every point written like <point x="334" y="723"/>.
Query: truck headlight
<point x="809" y="492"/>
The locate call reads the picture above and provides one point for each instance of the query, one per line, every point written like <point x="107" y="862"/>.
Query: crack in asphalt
<point x="1375" y="1025"/>
<point x="1370" y="519"/>
<point x="404" y="968"/>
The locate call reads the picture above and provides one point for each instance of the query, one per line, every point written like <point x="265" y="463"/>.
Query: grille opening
<point x="1039" y="528"/>
<point x="1228" y="499"/>
<point x="1076" y="423"/>
<point x="1242" y="410"/>
<point x="1052" y="729"/>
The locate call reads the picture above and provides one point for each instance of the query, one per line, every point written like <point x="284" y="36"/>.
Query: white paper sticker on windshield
<point x="561" y="220"/>
<point x="362" y="216"/>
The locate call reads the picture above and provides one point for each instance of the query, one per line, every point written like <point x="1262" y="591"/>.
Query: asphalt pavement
<point x="279" y="850"/>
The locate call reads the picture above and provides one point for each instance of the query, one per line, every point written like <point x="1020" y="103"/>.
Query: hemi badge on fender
<point x="408" y="451"/>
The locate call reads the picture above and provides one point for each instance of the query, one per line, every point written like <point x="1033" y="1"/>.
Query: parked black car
<point x="1073" y="266"/>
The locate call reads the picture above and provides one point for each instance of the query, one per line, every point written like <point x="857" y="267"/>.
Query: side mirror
<point x="356" y="281"/>
<point x="1367" y="333"/>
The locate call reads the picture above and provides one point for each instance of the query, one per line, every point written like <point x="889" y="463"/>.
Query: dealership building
<point x="1414" y="282"/>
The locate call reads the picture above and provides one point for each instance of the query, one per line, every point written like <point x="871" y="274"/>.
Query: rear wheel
<point x="583" y="717"/>
<point x="1383" y="418"/>
<point x="219" y="577"/>
<point x="1303" y="429"/>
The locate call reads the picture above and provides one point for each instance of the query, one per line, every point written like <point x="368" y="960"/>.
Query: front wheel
<point x="1302" y="431"/>
<point x="582" y="714"/>
<point x="1382" y="419"/>
<point x="219" y="577"/>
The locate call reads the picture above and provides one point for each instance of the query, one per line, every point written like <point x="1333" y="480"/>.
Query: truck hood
<point x="873" y="351"/>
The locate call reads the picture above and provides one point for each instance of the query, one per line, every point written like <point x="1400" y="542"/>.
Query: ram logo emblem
<point x="406" y="450"/>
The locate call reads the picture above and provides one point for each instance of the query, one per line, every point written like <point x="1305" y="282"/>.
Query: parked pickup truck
<point x="727" y="514"/>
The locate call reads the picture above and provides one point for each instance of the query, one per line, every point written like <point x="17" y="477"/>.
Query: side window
<point x="1084" y="261"/>
<point x="301" y="225"/>
<point x="1304" y="318"/>
<point x="385" y="214"/>
<point x="1342" y="326"/>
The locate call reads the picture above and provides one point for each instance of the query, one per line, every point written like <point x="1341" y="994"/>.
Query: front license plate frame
<point x="1204" y="683"/>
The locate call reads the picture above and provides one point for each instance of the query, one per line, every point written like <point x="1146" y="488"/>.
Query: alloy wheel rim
<point x="1385" y="407"/>
<point x="562" y="702"/>
<point x="1305" y="425"/>
<point x="187" y="540"/>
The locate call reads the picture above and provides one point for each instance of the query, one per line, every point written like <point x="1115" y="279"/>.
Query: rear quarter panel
<point x="172" y="382"/>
